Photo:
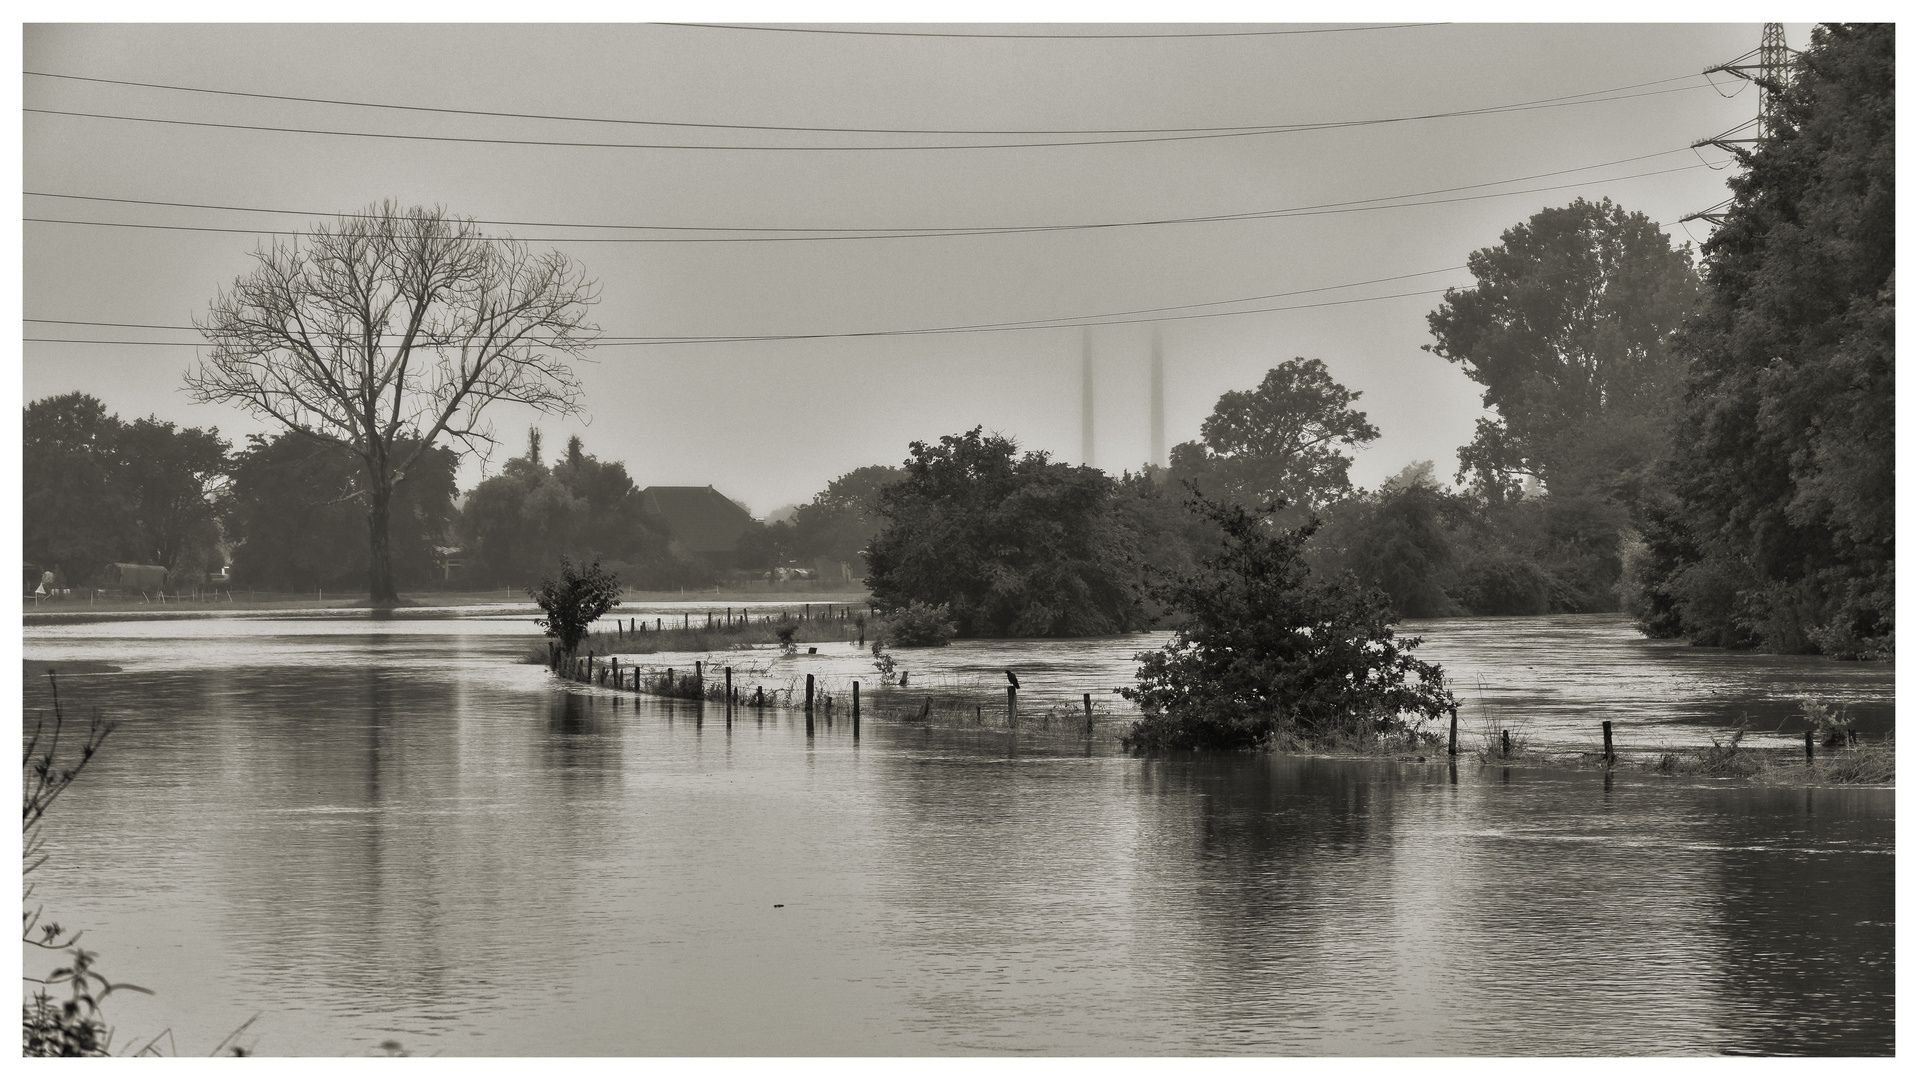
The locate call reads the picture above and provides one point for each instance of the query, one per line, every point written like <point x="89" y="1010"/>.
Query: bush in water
<point x="1265" y="650"/>
<point x="918" y="624"/>
<point x="571" y="603"/>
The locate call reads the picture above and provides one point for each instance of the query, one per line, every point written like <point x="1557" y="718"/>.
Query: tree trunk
<point x="380" y="572"/>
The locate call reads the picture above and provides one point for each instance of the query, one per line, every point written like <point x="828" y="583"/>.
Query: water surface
<point x="362" y="831"/>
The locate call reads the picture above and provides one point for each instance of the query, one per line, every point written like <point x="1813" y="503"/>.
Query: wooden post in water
<point x="1505" y="744"/>
<point x="1451" y="745"/>
<point x="729" y="693"/>
<point x="809" y="697"/>
<point x="699" y="673"/>
<point x="1012" y="705"/>
<point x="855" y="708"/>
<point x="1088" y="699"/>
<point x="1609" y="757"/>
<point x="1808" y="759"/>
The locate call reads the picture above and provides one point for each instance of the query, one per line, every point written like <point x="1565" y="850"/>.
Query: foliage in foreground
<point x="49" y="1026"/>
<point x="572" y="601"/>
<point x="1267" y="652"/>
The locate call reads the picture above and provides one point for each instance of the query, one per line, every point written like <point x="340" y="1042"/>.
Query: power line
<point x="915" y="332"/>
<point x="1120" y="318"/>
<point x="1046" y="37"/>
<point x="1324" y="209"/>
<point x="1246" y="128"/>
<point x="1552" y="103"/>
<point x="932" y="229"/>
<point x="1036" y="324"/>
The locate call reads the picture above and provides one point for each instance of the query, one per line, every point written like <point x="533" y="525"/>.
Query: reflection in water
<point x="406" y="835"/>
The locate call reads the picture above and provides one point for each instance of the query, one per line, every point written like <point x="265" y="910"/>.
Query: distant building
<point x="700" y="520"/>
<point x="134" y="577"/>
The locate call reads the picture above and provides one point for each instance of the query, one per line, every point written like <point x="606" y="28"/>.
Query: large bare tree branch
<point x="394" y="328"/>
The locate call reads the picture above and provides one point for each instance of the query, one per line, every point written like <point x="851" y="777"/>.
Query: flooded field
<point x="365" y="830"/>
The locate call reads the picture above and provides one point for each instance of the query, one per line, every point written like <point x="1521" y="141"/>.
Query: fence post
<point x="809" y="696"/>
<point x="1012" y="705"/>
<point x="1808" y="736"/>
<point x="729" y="693"/>
<point x="1505" y="741"/>
<point x="1088" y="698"/>
<point x="1451" y="746"/>
<point x="855" y="708"/>
<point x="1609" y="757"/>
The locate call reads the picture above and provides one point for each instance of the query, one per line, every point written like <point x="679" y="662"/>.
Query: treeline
<point x="1712" y="452"/>
<point x="99" y="490"/>
<point x="1771" y="519"/>
<point x="289" y="513"/>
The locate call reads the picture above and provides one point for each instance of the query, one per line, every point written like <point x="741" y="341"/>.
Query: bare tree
<point x="390" y="329"/>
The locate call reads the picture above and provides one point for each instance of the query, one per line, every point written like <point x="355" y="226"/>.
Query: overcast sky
<point x="770" y="422"/>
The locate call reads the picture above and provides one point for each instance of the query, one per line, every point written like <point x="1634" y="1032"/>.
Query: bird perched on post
<point x="1013" y="679"/>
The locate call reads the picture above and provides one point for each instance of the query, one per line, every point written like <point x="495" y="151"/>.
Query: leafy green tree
<point x="1278" y="444"/>
<point x="1169" y="539"/>
<point x="1778" y="527"/>
<point x="74" y="510"/>
<point x="573" y="600"/>
<point x="1014" y="545"/>
<point x="172" y="478"/>
<point x="840" y="521"/>
<point x="1267" y="653"/>
<point x="1397" y="540"/>
<point x="1570" y="329"/>
<point x="518" y="523"/>
<point x="763" y="548"/>
<point x="297" y="514"/>
<point x="98" y="490"/>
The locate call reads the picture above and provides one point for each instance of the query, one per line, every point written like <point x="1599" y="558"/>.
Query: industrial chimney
<point x="1158" y="398"/>
<point x="1085" y="396"/>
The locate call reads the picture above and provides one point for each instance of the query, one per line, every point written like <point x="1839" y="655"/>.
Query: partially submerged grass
<point x="608" y="639"/>
<point x="1862" y="762"/>
<point x="934" y="702"/>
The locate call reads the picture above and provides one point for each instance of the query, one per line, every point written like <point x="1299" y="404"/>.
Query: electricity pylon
<point x="1769" y="68"/>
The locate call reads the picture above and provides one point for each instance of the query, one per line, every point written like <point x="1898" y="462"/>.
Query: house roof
<point x="700" y="519"/>
<point x="667" y="500"/>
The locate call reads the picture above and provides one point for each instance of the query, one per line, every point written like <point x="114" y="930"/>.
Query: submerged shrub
<point x="1266" y="650"/>
<point x="918" y="624"/>
<point x="574" y="600"/>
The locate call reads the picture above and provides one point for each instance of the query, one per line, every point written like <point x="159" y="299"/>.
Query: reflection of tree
<point x="1271" y="884"/>
<point x="581" y="751"/>
<point x="397" y="827"/>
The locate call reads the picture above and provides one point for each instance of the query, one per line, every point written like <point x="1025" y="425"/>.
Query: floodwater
<point x="363" y="830"/>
